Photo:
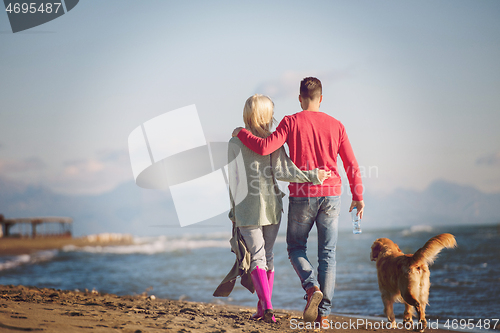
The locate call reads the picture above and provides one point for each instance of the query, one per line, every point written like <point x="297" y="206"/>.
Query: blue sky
<point x="417" y="84"/>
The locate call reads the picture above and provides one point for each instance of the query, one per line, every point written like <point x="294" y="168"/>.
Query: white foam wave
<point x="150" y="245"/>
<point x="24" y="259"/>
<point x="417" y="228"/>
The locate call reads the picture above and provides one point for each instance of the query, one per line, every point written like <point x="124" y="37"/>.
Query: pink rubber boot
<point x="261" y="284"/>
<point x="270" y="281"/>
<point x="260" y="313"/>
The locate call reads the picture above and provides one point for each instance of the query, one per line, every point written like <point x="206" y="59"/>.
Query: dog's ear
<point x="376" y="247"/>
<point x="398" y="249"/>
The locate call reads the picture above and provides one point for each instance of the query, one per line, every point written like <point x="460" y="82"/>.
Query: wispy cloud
<point x="11" y="166"/>
<point x="490" y="159"/>
<point x="94" y="175"/>
<point x="287" y="85"/>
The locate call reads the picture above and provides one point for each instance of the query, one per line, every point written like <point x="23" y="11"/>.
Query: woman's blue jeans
<point x="302" y="214"/>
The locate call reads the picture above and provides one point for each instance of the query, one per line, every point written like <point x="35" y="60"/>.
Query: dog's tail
<point x="428" y="253"/>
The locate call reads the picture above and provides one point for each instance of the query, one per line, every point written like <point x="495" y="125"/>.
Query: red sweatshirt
<point x="314" y="139"/>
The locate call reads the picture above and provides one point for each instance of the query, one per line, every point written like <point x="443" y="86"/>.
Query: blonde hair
<point x="258" y="115"/>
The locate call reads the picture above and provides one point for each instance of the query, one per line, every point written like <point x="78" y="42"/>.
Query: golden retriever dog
<point x="405" y="277"/>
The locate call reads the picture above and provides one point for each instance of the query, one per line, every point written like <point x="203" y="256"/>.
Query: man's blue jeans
<point x="302" y="214"/>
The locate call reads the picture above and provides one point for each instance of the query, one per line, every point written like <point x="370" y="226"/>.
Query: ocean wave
<point x="154" y="245"/>
<point x="24" y="259"/>
<point x="462" y="267"/>
<point x="417" y="229"/>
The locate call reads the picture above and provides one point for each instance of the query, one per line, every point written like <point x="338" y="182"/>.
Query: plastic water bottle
<point x="356" y="226"/>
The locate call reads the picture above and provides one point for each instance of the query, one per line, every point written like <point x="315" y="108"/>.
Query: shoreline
<point x="42" y="309"/>
<point x="20" y="246"/>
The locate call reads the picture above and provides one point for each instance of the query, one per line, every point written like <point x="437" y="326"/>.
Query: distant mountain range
<point x="441" y="203"/>
<point x="130" y="209"/>
<point x="126" y="209"/>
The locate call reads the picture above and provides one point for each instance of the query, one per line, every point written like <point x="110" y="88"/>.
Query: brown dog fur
<point x="405" y="277"/>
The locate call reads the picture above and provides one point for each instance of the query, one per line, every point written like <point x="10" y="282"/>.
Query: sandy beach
<point x="33" y="309"/>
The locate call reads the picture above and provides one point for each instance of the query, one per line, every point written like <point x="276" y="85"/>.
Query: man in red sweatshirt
<point x="314" y="139"/>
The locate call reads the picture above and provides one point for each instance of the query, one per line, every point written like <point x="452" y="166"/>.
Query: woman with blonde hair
<point x="256" y="200"/>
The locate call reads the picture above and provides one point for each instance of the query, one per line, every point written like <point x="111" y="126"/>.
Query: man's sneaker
<point x="314" y="297"/>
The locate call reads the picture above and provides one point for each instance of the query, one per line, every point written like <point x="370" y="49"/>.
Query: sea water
<point x="465" y="282"/>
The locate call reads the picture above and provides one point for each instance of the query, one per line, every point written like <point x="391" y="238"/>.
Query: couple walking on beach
<point x="257" y="159"/>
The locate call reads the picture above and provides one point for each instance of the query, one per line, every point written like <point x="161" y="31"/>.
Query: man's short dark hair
<point x="310" y="88"/>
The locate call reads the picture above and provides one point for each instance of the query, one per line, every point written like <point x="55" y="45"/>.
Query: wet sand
<point x="48" y="310"/>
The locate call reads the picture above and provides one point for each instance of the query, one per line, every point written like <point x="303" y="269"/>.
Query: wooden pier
<point x="33" y="227"/>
